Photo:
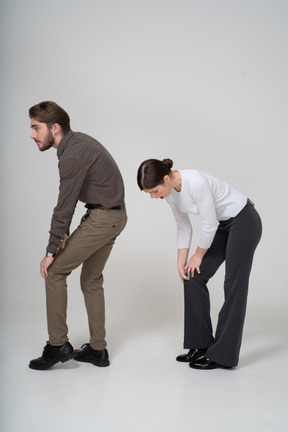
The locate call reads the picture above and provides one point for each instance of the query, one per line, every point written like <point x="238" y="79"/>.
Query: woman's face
<point x="160" y="191"/>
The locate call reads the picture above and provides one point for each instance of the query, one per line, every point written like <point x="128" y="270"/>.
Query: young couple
<point x="231" y="230"/>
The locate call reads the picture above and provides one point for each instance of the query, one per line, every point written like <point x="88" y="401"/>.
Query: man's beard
<point x="48" y="142"/>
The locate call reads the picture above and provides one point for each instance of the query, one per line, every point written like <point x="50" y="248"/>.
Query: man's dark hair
<point x="49" y="112"/>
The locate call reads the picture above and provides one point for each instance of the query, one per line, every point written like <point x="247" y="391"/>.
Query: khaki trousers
<point x="89" y="245"/>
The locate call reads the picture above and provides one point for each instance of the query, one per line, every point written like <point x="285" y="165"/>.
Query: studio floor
<point x="145" y="389"/>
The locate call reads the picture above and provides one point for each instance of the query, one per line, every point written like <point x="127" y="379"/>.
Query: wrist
<point x="200" y="252"/>
<point x="50" y="254"/>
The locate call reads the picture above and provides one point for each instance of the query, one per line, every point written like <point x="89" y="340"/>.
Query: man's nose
<point x="33" y="135"/>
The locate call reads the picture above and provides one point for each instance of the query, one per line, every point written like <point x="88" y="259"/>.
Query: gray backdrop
<point x="201" y="82"/>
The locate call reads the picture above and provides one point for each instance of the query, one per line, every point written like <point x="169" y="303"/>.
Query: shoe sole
<point x="211" y="368"/>
<point x="62" y="360"/>
<point x="217" y="366"/>
<point x="99" y="364"/>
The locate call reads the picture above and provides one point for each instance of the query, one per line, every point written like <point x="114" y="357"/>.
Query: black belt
<point x="95" y="206"/>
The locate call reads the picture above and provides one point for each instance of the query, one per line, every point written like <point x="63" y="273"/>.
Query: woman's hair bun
<point x="168" y="162"/>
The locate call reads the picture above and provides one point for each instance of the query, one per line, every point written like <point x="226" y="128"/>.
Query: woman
<point x="231" y="230"/>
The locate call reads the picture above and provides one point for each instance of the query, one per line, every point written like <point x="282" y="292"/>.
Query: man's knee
<point x="91" y="284"/>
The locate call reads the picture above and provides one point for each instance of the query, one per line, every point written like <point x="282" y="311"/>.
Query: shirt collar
<point x="63" y="142"/>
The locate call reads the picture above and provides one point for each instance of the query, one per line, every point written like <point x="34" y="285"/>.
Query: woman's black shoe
<point x="89" y="355"/>
<point x="52" y="355"/>
<point x="193" y="354"/>
<point x="205" y="363"/>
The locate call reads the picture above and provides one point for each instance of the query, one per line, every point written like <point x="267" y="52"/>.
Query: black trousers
<point x="235" y="242"/>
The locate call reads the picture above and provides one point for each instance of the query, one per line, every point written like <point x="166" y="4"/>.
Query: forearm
<point x="58" y="231"/>
<point x="72" y="175"/>
<point x="56" y="242"/>
<point x="200" y="252"/>
<point x="182" y="256"/>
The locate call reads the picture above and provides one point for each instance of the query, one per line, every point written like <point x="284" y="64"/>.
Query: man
<point x="88" y="173"/>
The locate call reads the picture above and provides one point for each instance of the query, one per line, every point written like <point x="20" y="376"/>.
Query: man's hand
<point x="45" y="263"/>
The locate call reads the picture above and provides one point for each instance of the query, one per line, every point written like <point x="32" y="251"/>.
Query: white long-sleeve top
<point x="207" y="196"/>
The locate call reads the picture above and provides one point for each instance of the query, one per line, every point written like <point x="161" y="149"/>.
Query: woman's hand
<point x="194" y="262"/>
<point x="182" y="273"/>
<point x="192" y="265"/>
<point x="181" y="262"/>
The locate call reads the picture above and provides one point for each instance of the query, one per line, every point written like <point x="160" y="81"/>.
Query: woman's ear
<point x="166" y="179"/>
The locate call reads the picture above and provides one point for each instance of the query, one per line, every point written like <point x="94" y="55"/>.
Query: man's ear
<point x="56" y="129"/>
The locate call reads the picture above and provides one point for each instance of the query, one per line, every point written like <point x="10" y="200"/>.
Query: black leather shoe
<point x="89" y="355"/>
<point x="205" y="363"/>
<point x="52" y="355"/>
<point x="193" y="354"/>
